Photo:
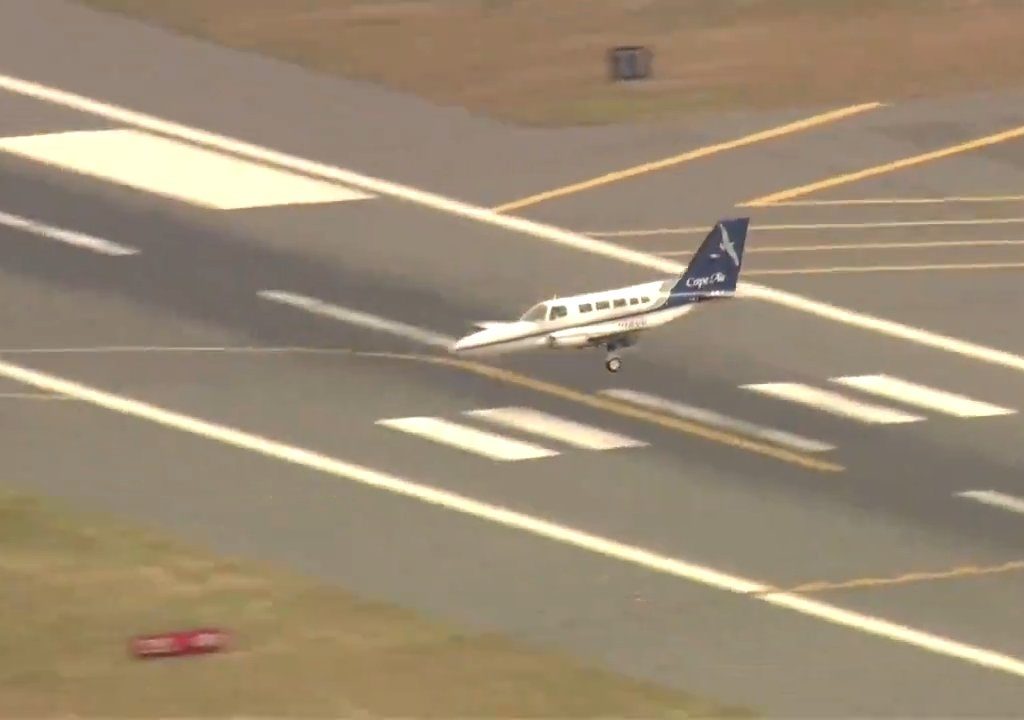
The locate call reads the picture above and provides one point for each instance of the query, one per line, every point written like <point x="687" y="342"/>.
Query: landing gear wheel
<point x="613" y="364"/>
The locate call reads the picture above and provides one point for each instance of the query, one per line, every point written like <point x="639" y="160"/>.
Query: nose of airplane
<point x="463" y="343"/>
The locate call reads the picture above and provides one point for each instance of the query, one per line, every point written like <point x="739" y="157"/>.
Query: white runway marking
<point x="847" y="269"/>
<point x="566" y="431"/>
<point x="996" y="499"/>
<point x="174" y="169"/>
<point x="927" y="245"/>
<point x="31" y="396"/>
<point x="498" y="515"/>
<point x="68" y="237"/>
<point x="900" y="201"/>
<point x="512" y="223"/>
<point x="714" y="419"/>
<point x="496" y="447"/>
<point x="915" y="394"/>
<point x="356" y="317"/>
<point x="834" y="403"/>
<point x="703" y="230"/>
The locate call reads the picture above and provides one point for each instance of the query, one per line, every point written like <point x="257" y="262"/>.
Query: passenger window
<point x="603" y="305"/>
<point x="620" y="303"/>
<point x="633" y="301"/>
<point x="558" y="311"/>
<point x="586" y="307"/>
<point x="644" y="300"/>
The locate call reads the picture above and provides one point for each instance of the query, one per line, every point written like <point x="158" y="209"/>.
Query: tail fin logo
<point x="726" y="244"/>
<point x="699" y="283"/>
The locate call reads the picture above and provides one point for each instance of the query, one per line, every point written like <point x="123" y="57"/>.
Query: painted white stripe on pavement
<point x="922" y="245"/>
<point x="834" y="403"/>
<point x="509" y="518"/>
<point x="996" y="499"/>
<point x="535" y="229"/>
<point x="714" y="419"/>
<point x="356" y="317"/>
<point x="496" y="447"/>
<point x="567" y="431"/>
<point x="875" y="225"/>
<point x="69" y="237"/>
<point x="175" y="169"/>
<point x="922" y="395"/>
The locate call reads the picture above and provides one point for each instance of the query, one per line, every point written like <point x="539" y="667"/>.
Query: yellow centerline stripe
<point x="963" y="571"/>
<point x="884" y="168"/>
<point x="761" y="136"/>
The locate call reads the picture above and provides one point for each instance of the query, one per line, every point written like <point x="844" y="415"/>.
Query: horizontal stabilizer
<point x="487" y="324"/>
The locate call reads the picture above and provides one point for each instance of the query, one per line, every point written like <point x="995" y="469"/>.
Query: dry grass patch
<point x="75" y="589"/>
<point x="543" y="61"/>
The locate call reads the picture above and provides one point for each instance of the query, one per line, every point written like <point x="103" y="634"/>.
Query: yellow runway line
<point x="884" y="168"/>
<point x="757" y="137"/>
<point x="964" y="571"/>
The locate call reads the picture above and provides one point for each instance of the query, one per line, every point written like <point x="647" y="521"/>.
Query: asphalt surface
<point x="195" y="283"/>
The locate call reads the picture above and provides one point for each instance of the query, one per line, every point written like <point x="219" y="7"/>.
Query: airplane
<point x="614" y="318"/>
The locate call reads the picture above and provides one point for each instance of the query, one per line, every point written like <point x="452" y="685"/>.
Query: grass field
<point x="543" y="61"/>
<point x="75" y="588"/>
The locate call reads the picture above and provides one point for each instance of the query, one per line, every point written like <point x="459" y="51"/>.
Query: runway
<point x="772" y="452"/>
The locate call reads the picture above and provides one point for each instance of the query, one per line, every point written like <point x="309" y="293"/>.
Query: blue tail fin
<point x="715" y="267"/>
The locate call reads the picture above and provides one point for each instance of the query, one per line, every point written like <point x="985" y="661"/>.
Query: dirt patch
<point x="543" y="62"/>
<point x="75" y="589"/>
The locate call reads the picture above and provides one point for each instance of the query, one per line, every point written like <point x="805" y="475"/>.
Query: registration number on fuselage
<point x="632" y="323"/>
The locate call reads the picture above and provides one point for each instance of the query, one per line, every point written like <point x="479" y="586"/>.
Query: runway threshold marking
<point x="557" y="428"/>
<point x="833" y="403"/>
<point x="770" y="227"/>
<point x="495" y="447"/>
<point x="780" y="131"/>
<point x="541" y="231"/>
<point x="174" y="169"/>
<point x="836" y="180"/>
<point x="715" y="419"/>
<point x="68" y="237"/>
<point x="433" y="339"/>
<point x="931" y="398"/>
<point x="513" y="519"/>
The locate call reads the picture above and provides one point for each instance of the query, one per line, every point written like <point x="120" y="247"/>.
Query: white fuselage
<point x="579" y="320"/>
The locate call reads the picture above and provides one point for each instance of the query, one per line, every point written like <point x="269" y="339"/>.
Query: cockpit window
<point x="537" y="312"/>
<point x="558" y="311"/>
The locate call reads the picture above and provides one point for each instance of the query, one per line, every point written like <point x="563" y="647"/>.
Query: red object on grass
<point x="187" y="642"/>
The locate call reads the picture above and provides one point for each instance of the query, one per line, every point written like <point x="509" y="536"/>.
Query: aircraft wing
<point x="488" y="324"/>
<point x="583" y="337"/>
